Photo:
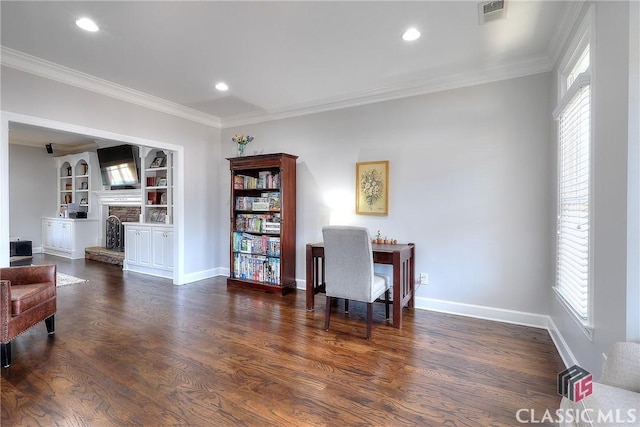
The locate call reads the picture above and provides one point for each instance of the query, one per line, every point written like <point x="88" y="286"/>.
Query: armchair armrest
<point x="5" y="308"/>
<point x="621" y="368"/>
<point x="29" y="274"/>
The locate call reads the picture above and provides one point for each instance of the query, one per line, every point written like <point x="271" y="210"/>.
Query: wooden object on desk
<point x="401" y="256"/>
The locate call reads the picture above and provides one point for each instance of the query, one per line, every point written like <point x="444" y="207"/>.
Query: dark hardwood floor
<point x="131" y="349"/>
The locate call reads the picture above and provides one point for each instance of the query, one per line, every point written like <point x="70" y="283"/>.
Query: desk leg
<point x="397" y="294"/>
<point x="403" y="283"/>
<point x="311" y="274"/>
<point x="412" y="276"/>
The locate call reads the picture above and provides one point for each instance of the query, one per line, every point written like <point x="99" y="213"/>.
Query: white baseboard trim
<point x="201" y="275"/>
<point x="561" y="345"/>
<point x="482" y="312"/>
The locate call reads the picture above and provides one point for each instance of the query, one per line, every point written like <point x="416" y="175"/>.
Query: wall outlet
<point x="424" y="278"/>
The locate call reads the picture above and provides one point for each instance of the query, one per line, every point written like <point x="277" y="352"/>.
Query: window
<point x="573" y="113"/>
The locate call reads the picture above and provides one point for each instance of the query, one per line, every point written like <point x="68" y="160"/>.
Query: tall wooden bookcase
<point x="262" y="252"/>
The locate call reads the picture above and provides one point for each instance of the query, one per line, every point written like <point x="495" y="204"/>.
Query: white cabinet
<point x="68" y="237"/>
<point x="137" y="241"/>
<point x="148" y="249"/>
<point x="162" y="248"/>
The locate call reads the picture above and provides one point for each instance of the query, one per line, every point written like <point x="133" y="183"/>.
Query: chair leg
<point x="6" y="354"/>
<point x="386" y="303"/>
<point x="346" y="305"/>
<point x="51" y="325"/>
<point x="369" y="318"/>
<point x="327" y="313"/>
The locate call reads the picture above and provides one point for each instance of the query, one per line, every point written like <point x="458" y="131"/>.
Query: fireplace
<point x="124" y="204"/>
<point x="116" y="207"/>
<point x="114" y="234"/>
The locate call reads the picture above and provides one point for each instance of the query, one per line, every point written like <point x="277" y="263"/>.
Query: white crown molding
<point x="21" y="61"/>
<point x="563" y="29"/>
<point x="31" y="64"/>
<point x="391" y="92"/>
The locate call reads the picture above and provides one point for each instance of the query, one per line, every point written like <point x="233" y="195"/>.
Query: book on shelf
<point x="260" y="204"/>
<point x="259" y="245"/>
<point x="273" y="246"/>
<point x="264" y="180"/>
<point x="266" y="202"/>
<point x="256" y="267"/>
<point x="271" y="227"/>
<point x="272" y="271"/>
<point x="256" y="223"/>
<point x="152" y="198"/>
<point x="242" y="203"/>
<point x="274" y="200"/>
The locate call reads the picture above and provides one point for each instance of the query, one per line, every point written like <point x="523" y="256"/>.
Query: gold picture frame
<point x="372" y="188"/>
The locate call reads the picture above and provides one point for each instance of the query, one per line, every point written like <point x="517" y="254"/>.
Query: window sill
<point x="585" y="326"/>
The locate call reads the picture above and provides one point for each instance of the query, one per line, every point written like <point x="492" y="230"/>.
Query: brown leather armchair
<point x="27" y="297"/>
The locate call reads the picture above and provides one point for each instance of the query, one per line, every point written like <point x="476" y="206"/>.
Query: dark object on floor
<point x="20" y="252"/>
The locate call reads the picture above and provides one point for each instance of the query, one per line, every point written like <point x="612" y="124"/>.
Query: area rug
<point x="65" y="279"/>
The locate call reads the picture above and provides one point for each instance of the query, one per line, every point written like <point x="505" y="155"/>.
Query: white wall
<point x="470" y="174"/>
<point x="633" y="179"/>
<point x="32" y="191"/>
<point x="27" y="94"/>
<point x="610" y="89"/>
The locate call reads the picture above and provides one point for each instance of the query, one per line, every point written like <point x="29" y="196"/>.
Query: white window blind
<point x="572" y="275"/>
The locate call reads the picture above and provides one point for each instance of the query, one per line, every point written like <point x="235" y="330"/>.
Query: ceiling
<point x="280" y="58"/>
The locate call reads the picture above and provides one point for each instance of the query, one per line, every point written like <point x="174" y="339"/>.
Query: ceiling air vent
<point x="492" y="11"/>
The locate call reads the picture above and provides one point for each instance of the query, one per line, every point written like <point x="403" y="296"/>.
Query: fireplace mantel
<point x="119" y="197"/>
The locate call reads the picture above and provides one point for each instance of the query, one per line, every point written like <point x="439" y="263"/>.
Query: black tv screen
<point x="119" y="165"/>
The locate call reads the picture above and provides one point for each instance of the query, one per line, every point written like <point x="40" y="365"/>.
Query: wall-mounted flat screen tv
<point x="119" y="166"/>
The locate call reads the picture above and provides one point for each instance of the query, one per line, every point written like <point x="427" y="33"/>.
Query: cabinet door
<point x="162" y="249"/>
<point x="144" y="239"/>
<point x="137" y="243"/>
<point x="132" y="245"/>
<point x="47" y="234"/>
<point x="65" y="236"/>
<point x="55" y="235"/>
<point x="168" y="250"/>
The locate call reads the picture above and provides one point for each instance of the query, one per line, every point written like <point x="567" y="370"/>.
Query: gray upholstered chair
<point x="349" y="270"/>
<point x="617" y="392"/>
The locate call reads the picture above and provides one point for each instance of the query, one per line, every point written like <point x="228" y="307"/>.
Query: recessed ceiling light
<point x="410" y="35"/>
<point x="222" y="86"/>
<point x="87" y="25"/>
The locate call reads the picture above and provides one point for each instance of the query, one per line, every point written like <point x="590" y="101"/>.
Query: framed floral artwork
<point x="372" y="188"/>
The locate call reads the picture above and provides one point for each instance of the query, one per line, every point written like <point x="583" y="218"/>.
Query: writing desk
<point x="400" y="256"/>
